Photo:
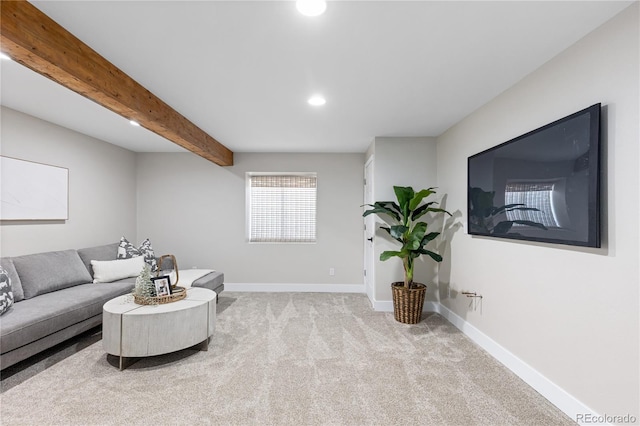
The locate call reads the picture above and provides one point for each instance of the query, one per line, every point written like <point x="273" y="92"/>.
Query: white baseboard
<point x="382" y="305"/>
<point x="545" y="387"/>
<point x="295" y="288"/>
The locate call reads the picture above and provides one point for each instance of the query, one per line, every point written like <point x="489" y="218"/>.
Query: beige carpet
<point x="290" y="359"/>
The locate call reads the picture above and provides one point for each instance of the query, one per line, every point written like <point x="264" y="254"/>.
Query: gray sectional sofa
<point x="56" y="299"/>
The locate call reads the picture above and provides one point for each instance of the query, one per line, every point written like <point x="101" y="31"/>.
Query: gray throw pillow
<point x="126" y="250"/>
<point x="6" y="294"/>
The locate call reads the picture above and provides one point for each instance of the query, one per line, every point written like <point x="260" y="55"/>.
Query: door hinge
<point x="365" y="272"/>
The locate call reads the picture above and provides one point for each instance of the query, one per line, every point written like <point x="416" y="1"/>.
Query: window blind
<point x="282" y="208"/>
<point x="532" y="194"/>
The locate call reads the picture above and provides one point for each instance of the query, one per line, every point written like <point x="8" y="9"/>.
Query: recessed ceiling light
<point x="134" y="123"/>
<point x="5" y="56"/>
<point x="317" y="100"/>
<point x="311" y="7"/>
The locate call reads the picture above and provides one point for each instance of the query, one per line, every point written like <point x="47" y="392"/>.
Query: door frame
<point x="369" y="246"/>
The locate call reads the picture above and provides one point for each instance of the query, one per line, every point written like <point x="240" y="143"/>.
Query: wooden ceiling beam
<point x="36" y="41"/>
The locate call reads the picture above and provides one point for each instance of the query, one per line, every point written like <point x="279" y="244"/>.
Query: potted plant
<point x="408" y="296"/>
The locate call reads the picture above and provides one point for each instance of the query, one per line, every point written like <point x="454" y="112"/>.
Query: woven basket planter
<point x="408" y="302"/>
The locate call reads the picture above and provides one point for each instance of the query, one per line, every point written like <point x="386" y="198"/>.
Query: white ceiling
<point x="242" y="71"/>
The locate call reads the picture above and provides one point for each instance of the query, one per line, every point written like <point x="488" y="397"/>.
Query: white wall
<point x="102" y="192"/>
<point x="400" y="162"/>
<point x="570" y="313"/>
<point x="196" y="210"/>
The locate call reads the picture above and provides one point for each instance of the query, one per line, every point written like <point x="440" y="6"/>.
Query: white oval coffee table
<point x="131" y="330"/>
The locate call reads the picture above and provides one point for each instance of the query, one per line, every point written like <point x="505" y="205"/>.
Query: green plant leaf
<point x="392" y="205"/>
<point x="404" y="195"/>
<point x="435" y="210"/>
<point x="385" y="255"/>
<point x="397" y="232"/>
<point x="416" y="235"/>
<point x="429" y="237"/>
<point x="379" y="208"/>
<point x="418" y="197"/>
<point x="434" y="256"/>
<point x="386" y="228"/>
<point x="420" y="211"/>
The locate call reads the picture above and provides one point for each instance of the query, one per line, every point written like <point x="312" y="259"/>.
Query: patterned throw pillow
<point x="126" y="250"/>
<point x="6" y="293"/>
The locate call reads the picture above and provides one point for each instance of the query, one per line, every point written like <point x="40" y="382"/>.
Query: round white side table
<point x="132" y="330"/>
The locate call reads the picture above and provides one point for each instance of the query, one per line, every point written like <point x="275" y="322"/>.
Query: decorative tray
<point x="177" y="293"/>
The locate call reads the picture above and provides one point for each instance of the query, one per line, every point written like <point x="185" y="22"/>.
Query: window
<point x="281" y="207"/>
<point x="538" y="195"/>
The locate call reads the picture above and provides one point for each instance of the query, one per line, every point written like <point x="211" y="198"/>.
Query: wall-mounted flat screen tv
<point x="541" y="186"/>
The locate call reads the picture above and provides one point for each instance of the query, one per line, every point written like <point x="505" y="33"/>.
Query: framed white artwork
<point x="33" y="191"/>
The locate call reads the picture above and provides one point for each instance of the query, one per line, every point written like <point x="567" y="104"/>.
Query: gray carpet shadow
<point x="23" y="370"/>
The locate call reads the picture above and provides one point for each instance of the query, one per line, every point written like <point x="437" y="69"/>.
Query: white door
<point x="369" y="231"/>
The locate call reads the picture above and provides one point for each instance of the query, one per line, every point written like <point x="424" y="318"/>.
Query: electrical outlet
<point x="332" y="271"/>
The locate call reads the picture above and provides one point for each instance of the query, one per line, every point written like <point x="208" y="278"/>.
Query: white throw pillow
<point x="106" y="271"/>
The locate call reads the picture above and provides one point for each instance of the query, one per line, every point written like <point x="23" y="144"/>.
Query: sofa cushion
<point x="106" y="271"/>
<point x="126" y="250"/>
<point x="16" y="285"/>
<point x="46" y="272"/>
<point x="41" y="316"/>
<point x="105" y="252"/>
<point x="213" y="281"/>
<point x="6" y="294"/>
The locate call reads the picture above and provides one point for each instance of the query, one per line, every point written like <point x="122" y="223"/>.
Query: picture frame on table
<point x="162" y="284"/>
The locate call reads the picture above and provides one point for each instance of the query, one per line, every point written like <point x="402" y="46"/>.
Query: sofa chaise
<point x="55" y="298"/>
